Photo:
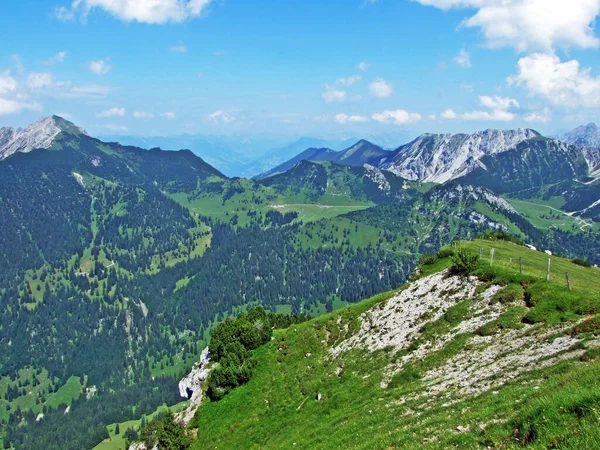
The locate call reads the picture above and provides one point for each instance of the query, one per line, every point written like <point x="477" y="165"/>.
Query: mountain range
<point x="118" y="262"/>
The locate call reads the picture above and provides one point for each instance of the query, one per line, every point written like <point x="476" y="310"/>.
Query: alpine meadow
<point x="370" y="224"/>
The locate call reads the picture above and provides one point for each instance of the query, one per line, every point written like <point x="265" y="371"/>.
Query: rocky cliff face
<point x="39" y="135"/>
<point x="442" y="157"/>
<point x="190" y="387"/>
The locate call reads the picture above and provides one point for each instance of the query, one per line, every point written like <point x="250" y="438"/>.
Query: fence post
<point x="481" y="252"/>
<point x="548" y="271"/>
<point x="568" y="280"/>
<point x="491" y="257"/>
<point x="521" y="265"/>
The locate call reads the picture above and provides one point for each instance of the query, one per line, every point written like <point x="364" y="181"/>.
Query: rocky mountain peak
<point x="584" y="136"/>
<point x="443" y="157"/>
<point x="38" y="135"/>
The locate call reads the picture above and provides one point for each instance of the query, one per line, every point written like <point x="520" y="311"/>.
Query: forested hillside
<point x="120" y="261"/>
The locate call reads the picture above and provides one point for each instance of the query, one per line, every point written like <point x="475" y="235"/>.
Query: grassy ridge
<point x="554" y="407"/>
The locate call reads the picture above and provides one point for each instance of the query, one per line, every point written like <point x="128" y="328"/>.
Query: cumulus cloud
<point x="112" y="112"/>
<point x="14" y="106"/>
<point x="498" y="110"/>
<point x="345" y="118"/>
<point x="463" y="59"/>
<point x="448" y="114"/>
<point x="143" y="115"/>
<point x="380" y="88"/>
<point x="397" y="117"/>
<point x="7" y="83"/>
<point x="363" y="66"/>
<point x="564" y="84"/>
<point x="491" y="116"/>
<point x="530" y="24"/>
<point x="40" y="80"/>
<point x="536" y="118"/>
<point x="498" y="103"/>
<point x="145" y="11"/>
<point x="100" y="67"/>
<point x="333" y="95"/>
<point x="222" y="117"/>
<point x="58" y="58"/>
<point x="348" y="81"/>
<point x="168" y="115"/>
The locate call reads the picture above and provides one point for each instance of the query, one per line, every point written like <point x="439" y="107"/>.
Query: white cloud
<point x="348" y="81"/>
<point x="380" y="88"/>
<point x="40" y="80"/>
<point x="448" y="114"/>
<point x="463" y="59"/>
<point x="145" y="11"/>
<point x="58" y="58"/>
<point x="345" y="118"/>
<point x="112" y="112"/>
<point x="498" y="103"/>
<point x="68" y="89"/>
<point x="560" y="83"/>
<point x="332" y="95"/>
<point x="179" y="48"/>
<point x="530" y="24"/>
<point x="7" y="83"/>
<point x="498" y="110"/>
<point x="64" y="14"/>
<point x="143" y="115"/>
<point x="398" y="117"/>
<point x="490" y="116"/>
<point x="13" y="106"/>
<point x="100" y="67"/>
<point x="536" y="118"/>
<point x="114" y="127"/>
<point x="222" y="117"/>
<point x="363" y="66"/>
<point x="432" y="117"/>
<point x="168" y="115"/>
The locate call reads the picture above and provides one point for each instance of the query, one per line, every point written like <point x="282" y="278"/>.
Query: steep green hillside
<point x="504" y="360"/>
<point x="328" y="182"/>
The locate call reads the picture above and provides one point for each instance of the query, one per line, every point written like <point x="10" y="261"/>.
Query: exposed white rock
<point x="377" y="177"/>
<point x="190" y="387"/>
<point x="79" y="178"/>
<point x="442" y="157"/>
<point x="398" y="321"/>
<point x="39" y="135"/>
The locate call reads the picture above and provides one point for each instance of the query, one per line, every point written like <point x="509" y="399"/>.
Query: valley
<point x="120" y="262"/>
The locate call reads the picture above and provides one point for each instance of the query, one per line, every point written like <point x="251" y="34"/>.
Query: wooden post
<point x="548" y="271"/>
<point x="521" y="265"/>
<point x="491" y="257"/>
<point x="568" y="280"/>
<point x="481" y="252"/>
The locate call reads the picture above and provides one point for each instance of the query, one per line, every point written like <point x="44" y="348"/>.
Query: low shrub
<point x="581" y="262"/>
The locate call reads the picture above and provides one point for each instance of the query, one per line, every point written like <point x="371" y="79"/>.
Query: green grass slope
<point x="549" y="402"/>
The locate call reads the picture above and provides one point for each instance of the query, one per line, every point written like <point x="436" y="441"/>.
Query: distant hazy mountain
<point x="585" y="136"/>
<point x="359" y="154"/>
<point x="588" y="137"/>
<point x="235" y="155"/>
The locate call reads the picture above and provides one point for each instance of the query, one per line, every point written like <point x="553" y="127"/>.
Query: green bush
<point x="464" y="262"/>
<point x="427" y="260"/>
<point x="166" y="433"/>
<point x="445" y="252"/>
<point x="581" y="262"/>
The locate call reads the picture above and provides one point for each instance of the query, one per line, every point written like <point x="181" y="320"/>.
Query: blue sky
<point x="292" y="68"/>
